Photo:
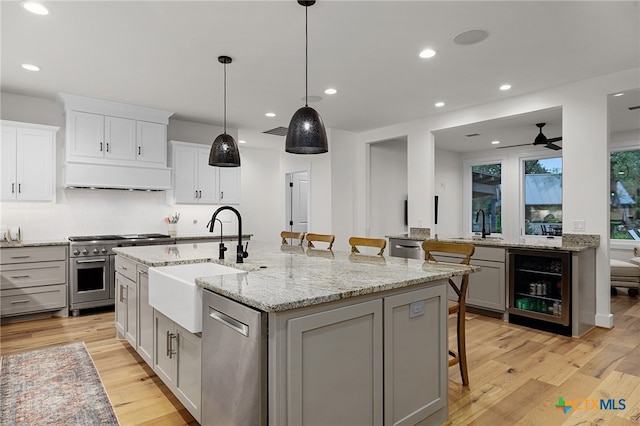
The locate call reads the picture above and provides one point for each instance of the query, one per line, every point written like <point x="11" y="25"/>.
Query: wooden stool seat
<point x="325" y="238"/>
<point x="291" y="236"/>
<point x="455" y="307"/>
<point x="380" y="243"/>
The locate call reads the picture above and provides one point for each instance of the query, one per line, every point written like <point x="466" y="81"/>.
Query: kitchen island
<point x="343" y="339"/>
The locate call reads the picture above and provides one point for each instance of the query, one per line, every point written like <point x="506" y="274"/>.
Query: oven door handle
<point x="102" y="260"/>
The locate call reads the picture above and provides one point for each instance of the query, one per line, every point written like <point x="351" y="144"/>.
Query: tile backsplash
<point x="94" y="212"/>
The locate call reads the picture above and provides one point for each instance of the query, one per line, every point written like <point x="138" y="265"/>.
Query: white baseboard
<point x="605" y="321"/>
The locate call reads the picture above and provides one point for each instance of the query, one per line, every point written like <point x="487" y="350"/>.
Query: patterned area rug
<point x="54" y="386"/>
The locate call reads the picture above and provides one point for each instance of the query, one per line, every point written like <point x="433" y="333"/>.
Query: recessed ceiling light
<point x="331" y="91"/>
<point x="270" y="114"/>
<point x="618" y="94"/>
<point x="427" y="53"/>
<point x="470" y="37"/>
<point x="495" y="142"/>
<point x="439" y="104"/>
<point x="35" y="7"/>
<point x="241" y="141"/>
<point x="505" y="87"/>
<point x="31" y="67"/>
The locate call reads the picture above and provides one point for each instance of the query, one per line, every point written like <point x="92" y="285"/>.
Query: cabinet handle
<point x="107" y="147"/>
<point x="139" y="150"/>
<point x="143" y="273"/>
<point x="20" y="257"/>
<point x="221" y="195"/>
<point x="195" y="196"/>
<point x="122" y="267"/>
<point x="100" y="146"/>
<point x="13" y="302"/>
<point x="199" y="194"/>
<point x="13" y="188"/>
<point x="170" y="350"/>
<point x="20" y="276"/>
<point x="19" y="188"/>
<point x="122" y="293"/>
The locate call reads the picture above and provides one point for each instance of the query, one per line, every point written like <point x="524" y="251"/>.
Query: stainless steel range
<point x="92" y="267"/>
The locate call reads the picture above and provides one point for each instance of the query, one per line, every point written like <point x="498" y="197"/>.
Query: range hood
<point x="106" y="176"/>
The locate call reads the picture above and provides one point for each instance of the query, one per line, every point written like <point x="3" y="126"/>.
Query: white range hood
<point x="84" y="175"/>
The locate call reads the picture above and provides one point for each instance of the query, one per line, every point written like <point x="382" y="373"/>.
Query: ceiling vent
<point x="277" y="131"/>
<point x="472" y="135"/>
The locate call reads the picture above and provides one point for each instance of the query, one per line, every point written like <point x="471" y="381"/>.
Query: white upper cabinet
<point x="151" y="143"/>
<point x="27" y="158"/>
<point x="114" y="145"/>
<point x="229" y="185"/>
<point x="196" y="182"/>
<point x="104" y="132"/>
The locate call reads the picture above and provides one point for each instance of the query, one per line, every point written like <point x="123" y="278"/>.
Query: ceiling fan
<point x="541" y="139"/>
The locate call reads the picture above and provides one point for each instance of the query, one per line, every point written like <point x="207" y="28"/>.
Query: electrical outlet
<point x="578" y="225"/>
<point x="416" y="309"/>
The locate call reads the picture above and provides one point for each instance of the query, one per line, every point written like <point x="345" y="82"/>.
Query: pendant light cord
<point x="306" y="56"/>
<point x="225" y="99"/>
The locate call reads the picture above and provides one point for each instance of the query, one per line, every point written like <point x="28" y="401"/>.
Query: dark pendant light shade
<point x="224" y="150"/>
<point x="306" y="133"/>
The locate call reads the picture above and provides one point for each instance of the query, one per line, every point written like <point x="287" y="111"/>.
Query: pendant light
<point x="306" y="133"/>
<point x="224" y="150"/>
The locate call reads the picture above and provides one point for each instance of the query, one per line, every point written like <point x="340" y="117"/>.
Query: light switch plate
<point x="578" y="225"/>
<point x="416" y="309"/>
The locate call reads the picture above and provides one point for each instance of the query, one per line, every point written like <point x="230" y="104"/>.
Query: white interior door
<point x="297" y="199"/>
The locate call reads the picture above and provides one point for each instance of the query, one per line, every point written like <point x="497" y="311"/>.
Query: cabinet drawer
<point x="33" y="299"/>
<point x="32" y="254"/>
<point x="25" y="275"/>
<point x="126" y="267"/>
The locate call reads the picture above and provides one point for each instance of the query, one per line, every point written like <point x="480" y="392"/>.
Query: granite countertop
<point x="210" y="236"/>
<point x="42" y="243"/>
<point x="568" y="242"/>
<point x="275" y="279"/>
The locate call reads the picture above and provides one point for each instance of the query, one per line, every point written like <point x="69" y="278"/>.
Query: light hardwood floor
<point x="516" y="374"/>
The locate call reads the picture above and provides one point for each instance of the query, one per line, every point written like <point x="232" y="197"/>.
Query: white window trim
<point x="627" y="145"/>
<point x="521" y="160"/>
<point x="467" y="192"/>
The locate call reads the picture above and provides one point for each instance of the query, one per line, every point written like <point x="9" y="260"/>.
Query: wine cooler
<point x="540" y="290"/>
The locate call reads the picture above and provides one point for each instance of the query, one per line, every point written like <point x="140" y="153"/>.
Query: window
<point x="486" y="194"/>
<point x="624" y="195"/>
<point x="543" y="196"/>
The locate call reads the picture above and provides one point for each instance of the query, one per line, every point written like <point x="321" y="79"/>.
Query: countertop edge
<point x="501" y="243"/>
<point x="33" y="244"/>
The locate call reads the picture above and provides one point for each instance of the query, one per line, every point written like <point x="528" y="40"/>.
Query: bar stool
<point x="459" y="308"/>
<point x="325" y="238"/>
<point x="291" y="236"/>
<point x="380" y="243"/>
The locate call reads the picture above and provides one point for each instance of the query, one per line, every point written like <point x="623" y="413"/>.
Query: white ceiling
<point x="163" y="54"/>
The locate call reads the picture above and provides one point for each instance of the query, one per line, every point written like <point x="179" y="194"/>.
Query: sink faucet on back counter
<point x="484" y="226"/>
<point x="241" y="252"/>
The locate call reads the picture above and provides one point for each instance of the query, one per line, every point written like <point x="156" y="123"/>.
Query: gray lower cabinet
<point x="126" y="309"/>
<point x="336" y="361"/>
<point x="381" y="361"/>
<point x="487" y="287"/>
<point x="145" y="316"/>
<point x="33" y="280"/>
<point x="177" y="362"/>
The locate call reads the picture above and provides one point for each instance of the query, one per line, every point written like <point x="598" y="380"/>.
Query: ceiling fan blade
<point x="554" y="147"/>
<point x="512" y="146"/>
<point x="552" y="140"/>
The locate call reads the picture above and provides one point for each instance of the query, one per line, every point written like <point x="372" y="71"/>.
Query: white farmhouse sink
<point x="173" y="291"/>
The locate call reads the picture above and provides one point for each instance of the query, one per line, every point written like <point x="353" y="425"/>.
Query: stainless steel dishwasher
<point x="234" y="363"/>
